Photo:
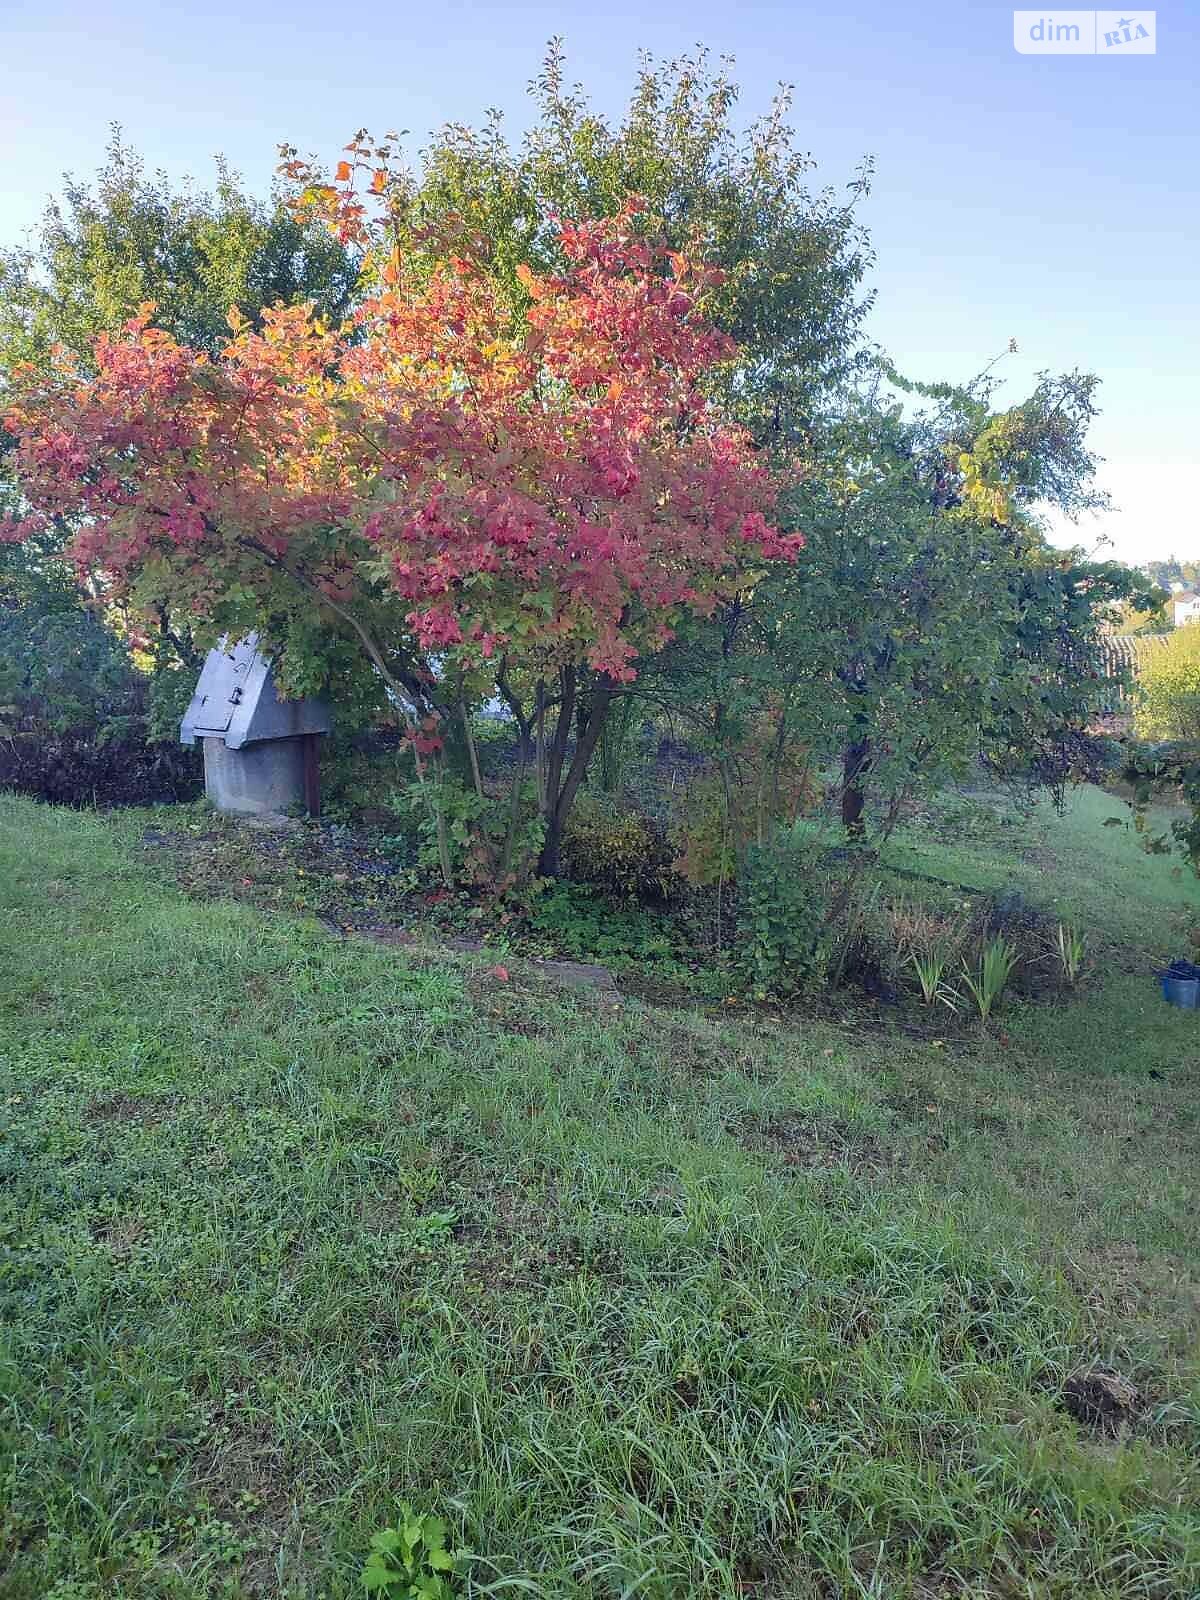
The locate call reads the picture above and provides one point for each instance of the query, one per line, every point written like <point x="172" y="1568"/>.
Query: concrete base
<point x="261" y="779"/>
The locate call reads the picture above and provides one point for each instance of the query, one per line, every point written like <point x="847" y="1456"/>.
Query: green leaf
<point x="377" y="1578"/>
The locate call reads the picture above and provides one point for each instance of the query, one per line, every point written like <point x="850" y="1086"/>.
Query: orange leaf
<point x="379" y="181"/>
<point x="343" y="171"/>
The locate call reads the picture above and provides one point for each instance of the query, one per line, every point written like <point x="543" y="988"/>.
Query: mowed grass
<point x="644" y="1304"/>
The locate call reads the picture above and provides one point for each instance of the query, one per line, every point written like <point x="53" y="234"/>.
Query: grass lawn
<point x="643" y="1303"/>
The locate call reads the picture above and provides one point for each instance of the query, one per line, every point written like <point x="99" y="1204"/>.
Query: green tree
<point x="105" y="247"/>
<point x="930" y="624"/>
<point x="1168" y="690"/>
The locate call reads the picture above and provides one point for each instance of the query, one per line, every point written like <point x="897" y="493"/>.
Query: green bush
<point x="575" y="920"/>
<point x="618" y="850"/>
<point x="786" y="941"/>
<point x="80" y="723"/>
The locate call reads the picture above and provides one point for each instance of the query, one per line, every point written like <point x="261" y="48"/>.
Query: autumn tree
<point x="482" y="502"/>
<point x="931" y="623"/>
<point x="103" y="247"/>
<point x="736" y="191"/>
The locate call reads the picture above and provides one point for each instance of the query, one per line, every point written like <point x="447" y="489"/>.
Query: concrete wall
<point x="257" y="780"/>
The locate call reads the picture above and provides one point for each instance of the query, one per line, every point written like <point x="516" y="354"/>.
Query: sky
<point x="1051" y="199"/>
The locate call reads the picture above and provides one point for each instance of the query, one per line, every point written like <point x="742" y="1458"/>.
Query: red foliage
<point x="473" y="483"/>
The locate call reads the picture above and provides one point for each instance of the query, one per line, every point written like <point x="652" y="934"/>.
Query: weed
<point x="1069" y="950"/>
<point x="986" y="982"/>
<point x="784" y="943"/>
<point x="410" y="1561"/>
<point x="928" y="941"/>
<point x="930" y="967"/>
<point x="575" y="920"/>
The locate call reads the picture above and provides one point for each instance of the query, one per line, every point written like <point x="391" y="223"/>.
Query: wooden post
<point x="312" y="775"/>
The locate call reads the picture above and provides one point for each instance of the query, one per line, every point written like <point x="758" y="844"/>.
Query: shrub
<point x="786" y="943"/>
<point x="80" y="723"/>
<point x="463" y="834"/>
<point x="769" y="784"/>
<point x="574" y="920"/>
<point x="705" y="842"/>
<point x="78" y="768"/>
<point x="618" y="850"/>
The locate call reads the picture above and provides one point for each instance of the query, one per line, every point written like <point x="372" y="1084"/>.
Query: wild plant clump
<point x="928" y="943"/>
<point x="617" y="849"/>
<point x="787" y="920"/>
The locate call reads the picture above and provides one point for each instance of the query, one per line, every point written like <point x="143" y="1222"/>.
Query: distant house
<point x="1184" y="606"/>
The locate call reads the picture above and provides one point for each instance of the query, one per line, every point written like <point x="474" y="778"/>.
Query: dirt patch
<point x="350" y="881"/>
<point x="514" y="1243"/>
<point x="577" y="975"/>
<point x="1102" y="1399"/>
<point x="390" y="938"/>
<point x="811" y="1142"/>
<point x="128" y="1108"/>
<point x="246" y="1477"/>
<point x="121" y="1235"/>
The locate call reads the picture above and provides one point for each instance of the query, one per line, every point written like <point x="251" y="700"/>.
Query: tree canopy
<point x="477" y="500"/>
<point x="737" y="196"/>
<point x="105" y="247"/>
<point x="548" y="421"/>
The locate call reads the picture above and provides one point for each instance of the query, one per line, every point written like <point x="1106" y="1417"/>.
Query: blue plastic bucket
<point x="1183" y="992"/>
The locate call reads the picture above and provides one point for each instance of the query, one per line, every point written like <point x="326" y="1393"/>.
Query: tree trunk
<point x="856" y="764"/>
<point x="549" y="865"/>
<point x="558" y="801"/>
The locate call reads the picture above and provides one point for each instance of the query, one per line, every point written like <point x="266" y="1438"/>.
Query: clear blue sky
<point x="1054" y="199"/>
